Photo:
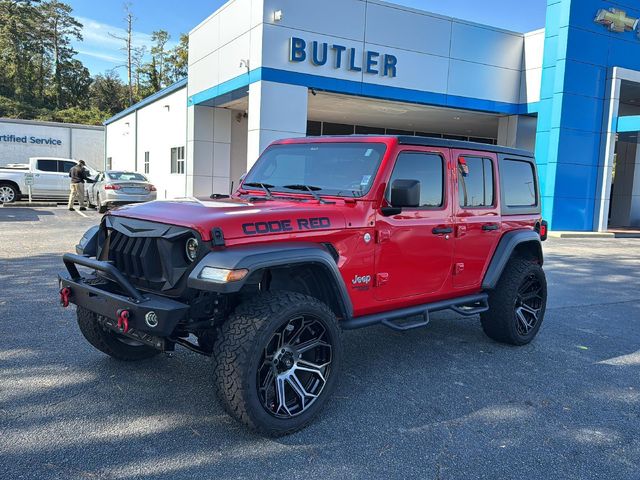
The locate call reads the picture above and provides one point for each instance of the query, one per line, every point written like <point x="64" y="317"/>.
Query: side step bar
<point x="466" y="306"/>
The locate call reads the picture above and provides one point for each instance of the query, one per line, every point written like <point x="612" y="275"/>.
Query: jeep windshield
<point x="338" y="169"/>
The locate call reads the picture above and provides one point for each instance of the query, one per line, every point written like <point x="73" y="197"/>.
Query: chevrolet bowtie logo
<point x="616" y="20"/>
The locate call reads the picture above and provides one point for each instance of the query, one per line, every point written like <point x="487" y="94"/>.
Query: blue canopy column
<point x="584" y="41"/>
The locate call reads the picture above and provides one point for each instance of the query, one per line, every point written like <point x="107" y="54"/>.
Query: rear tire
<point x="101" y="208"/>
<point x="277" y="342"/>
<point x="8" y="193"/>
<point x="518" y="303"/>
<point x="109" y="342"/>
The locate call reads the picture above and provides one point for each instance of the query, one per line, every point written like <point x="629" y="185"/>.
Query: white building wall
<point x="158" y="126"/>
<point x="435" y="54"/>
<point x="532" y="67"/>
<point x="121" y="142"/>
<point x="81" y="142"/>
<point x="276" y="111"/>
<point x="162" y="125"/>
<point x="216" y="46"/>
<point x="239" y="131"/>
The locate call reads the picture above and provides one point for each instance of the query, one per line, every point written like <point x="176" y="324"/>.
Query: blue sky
<point x="100" y="52"/>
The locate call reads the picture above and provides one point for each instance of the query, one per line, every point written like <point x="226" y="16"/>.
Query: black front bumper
<point x="107" y="297"/>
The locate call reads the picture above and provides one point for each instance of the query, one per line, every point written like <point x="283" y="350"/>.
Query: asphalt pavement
<point x="443" y="402"/>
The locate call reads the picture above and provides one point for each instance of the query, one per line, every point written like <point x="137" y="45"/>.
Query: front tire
<point x="114" y="345"/>
<point x="277" y="360"/>
<point x="518" y="303"/>
<point x="8" y="193"/>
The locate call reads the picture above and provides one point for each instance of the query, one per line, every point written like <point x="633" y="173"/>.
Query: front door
<point x="478" y="222"/>
<point x="64" y="179"/>
<point x="414" y="248"/>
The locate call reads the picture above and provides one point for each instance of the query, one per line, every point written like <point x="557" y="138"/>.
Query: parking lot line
<point x="80" y="213"/>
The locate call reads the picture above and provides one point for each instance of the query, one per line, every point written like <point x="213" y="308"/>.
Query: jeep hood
<point x="239" y="218"/>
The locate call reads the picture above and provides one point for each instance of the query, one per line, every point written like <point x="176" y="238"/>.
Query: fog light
<point x="151" y="319"/>
<point x="222" y="275"/>
<point x="191" y="249"/>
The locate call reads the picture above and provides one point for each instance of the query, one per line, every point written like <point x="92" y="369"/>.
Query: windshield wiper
<point x="308" y="188"/>
<point x="265" y="186"/>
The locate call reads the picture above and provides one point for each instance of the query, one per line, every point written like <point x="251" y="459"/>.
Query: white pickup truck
<point x="50" y="179"/>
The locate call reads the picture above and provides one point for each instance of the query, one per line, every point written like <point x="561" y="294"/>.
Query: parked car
<point x="50" y="175"/>
<point x="115" y="187"/>
<point x="323" y="235"/>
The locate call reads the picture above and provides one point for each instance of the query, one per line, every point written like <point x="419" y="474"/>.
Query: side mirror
<point x="404" y="194"/>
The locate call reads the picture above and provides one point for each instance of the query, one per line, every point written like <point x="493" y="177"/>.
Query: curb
<point x="28" y="205"/>
<point x="588" y="235"/>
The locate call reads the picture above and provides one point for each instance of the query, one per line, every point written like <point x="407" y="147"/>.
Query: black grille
<point x="137" y="258"/>
<point x="152" y="256"/>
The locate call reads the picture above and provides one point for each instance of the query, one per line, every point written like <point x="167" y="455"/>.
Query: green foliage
<point x="88" y="116"/>
<point x="41" y="78"/>
<point x="108" y="93"/>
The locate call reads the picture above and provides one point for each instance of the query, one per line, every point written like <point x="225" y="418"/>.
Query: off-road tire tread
<point x="496" y="322"/>
<point x="232" y="351"/>
<point x="104" y="341"/>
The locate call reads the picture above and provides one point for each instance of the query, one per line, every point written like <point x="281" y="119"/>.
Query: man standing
<point x="78" y="176"/>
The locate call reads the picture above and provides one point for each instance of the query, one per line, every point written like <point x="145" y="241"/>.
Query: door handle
<point x="489" y="227"/>
<point x="442" y="230"/>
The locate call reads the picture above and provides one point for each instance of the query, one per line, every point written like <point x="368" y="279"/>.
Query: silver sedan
<point x="115" y="187"/>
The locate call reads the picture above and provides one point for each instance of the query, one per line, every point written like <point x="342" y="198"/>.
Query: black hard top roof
<point x="461" y="145"/>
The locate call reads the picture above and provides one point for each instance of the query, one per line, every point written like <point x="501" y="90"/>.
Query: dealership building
<point x="261" y="70"/>
<point x="23" y="139"/>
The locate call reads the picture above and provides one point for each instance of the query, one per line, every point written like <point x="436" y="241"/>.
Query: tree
<point x="159" y="56"/>
<point x="58" y="29"/>
<point x="76" y="82"/>
<point x="108" y="93"/>
<point x="128" y="47"/>
<point x="178" y="60"/>
<point x="137" y="60"/>
<point x="19" y="24"/>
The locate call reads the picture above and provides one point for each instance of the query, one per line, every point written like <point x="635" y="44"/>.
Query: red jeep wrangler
<point x="323" y="234"/>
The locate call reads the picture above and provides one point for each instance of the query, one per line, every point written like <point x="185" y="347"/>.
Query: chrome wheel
<point x="7" y="194"/>
<point x="294" y="367"/>
<point x="529" y="304"/>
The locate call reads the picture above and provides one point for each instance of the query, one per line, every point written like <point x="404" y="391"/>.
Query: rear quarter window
<point x="519" y="186"/>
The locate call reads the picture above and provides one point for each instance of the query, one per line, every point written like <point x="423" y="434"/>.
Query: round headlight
<point x="191" y="249"/>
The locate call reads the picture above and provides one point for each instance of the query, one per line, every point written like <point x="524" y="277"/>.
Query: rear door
<point x="64" y="181"/>
<point x="478" y="222"/>
<point x="46" y="179"/>
<point x="414" y="249"/>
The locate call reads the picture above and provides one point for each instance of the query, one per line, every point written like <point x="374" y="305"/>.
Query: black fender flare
<point x="508" y="243"/>
<point x="259" y="257"/>
<point x="88" y="245"/>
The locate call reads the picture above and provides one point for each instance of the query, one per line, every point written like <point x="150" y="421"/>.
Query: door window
<point x="48" y="165"/>
<point x="64" y="166"/>
<point x="518" y="182"/>
<point x="475" y="182"/>
<point x="428" y="169"/>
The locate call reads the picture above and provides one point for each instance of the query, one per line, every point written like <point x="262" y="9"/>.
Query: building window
<point x="475" y="182"/>
<point x="146" y="162"/>
<point x="177" y="160"/>
<point x="337" y="129"/>
<point x="109" y="165"/>
<point x="314" y="129"/>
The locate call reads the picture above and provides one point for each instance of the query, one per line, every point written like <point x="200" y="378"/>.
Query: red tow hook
<point x="123" y="320"/>
<point x="64" y="296"/>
